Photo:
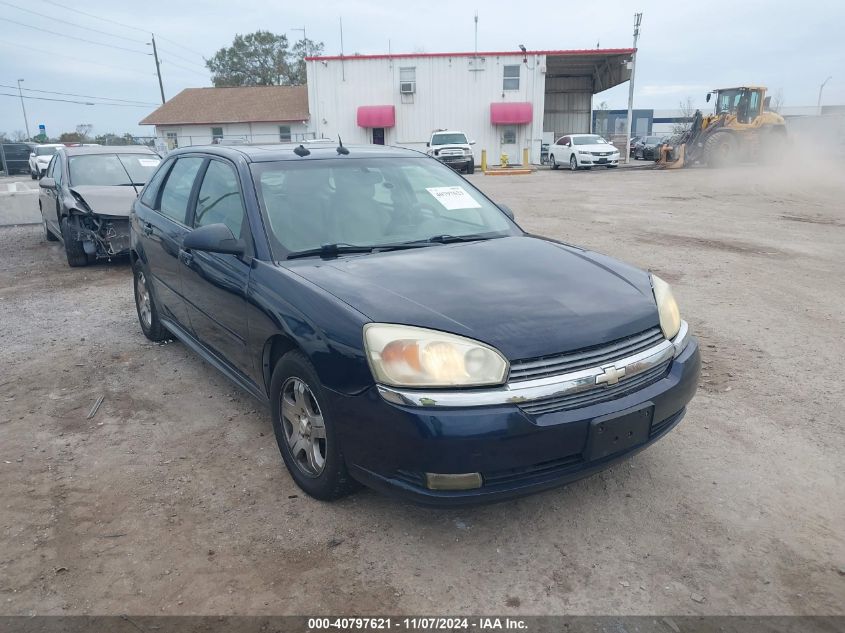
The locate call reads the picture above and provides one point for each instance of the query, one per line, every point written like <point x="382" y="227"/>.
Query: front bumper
<point x="391" y="446"/>
<point x="455" y="162"/>
<point x="591" y="160"/>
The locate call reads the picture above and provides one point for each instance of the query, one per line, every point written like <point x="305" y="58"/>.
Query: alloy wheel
<point x="304" y="428"/>
<point x="573" y="163"/>
<point x="142" y="297"/>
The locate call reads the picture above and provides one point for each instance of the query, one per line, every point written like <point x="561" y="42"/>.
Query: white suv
<point x="583" y="151"/>
<point x="40" y="158"/>
<point x="452" y="148"/>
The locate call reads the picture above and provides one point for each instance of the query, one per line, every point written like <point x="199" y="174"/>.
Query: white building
<point x="505" y="101"/>
<point x="256" y="114"/>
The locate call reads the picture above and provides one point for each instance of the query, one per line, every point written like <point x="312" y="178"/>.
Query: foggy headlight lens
<point x="667" y="307"/>
<point x="406" y="356"/>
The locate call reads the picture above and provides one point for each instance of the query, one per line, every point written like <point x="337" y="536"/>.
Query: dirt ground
<point x="173" y="499"/>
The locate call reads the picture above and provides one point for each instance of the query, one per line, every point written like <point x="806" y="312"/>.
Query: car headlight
<point x="667" y="307"/>
<point x="580" y="151"/>
<point x="407" y="356"/>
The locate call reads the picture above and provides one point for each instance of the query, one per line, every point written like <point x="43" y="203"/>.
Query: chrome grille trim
<point x="526" y="392"/>
<point x="590" y="357"/>
<point x="598" y="394"/>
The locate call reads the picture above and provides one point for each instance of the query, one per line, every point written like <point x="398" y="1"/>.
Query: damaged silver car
<point x="86" y="195"/>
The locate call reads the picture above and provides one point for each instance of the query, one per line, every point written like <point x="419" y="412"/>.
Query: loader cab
<point x="744" y="103"/>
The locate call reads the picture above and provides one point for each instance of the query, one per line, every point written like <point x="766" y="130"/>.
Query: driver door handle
<point x="186" y="257"/>
<point x="148" y="228"/>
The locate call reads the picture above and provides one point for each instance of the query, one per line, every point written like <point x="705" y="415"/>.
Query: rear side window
<point x="57" y="170"/>
<point x="148" y="196"/>
<point x="177" y="189"/>
<point x="219" y="200"/>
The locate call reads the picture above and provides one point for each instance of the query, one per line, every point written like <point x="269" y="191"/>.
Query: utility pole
<point x="158" y="68"/>
<point x="638" y="18"/>
<point x="819" y="104"/>
<point x="26" y="120"/>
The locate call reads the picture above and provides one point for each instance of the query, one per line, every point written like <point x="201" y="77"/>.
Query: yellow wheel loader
<point x="741" y="129"/>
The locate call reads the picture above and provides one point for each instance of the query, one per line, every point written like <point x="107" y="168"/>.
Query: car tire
<point x="553" y="161"/>
<point x="145" y="305"/>
<point x="471" y="167"/>
<point x="612" y="166"/>
<point x="312" y="453"/>
<point x="33" y="175"/>
<point x="573" y="163"/>
<point x="76" y="255"/>
<point x="48" y="235"/>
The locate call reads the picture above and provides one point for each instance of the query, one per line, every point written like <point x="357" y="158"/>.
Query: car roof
<point x="285" y="151"/>
<point x="447" y="132"/>
<point x="108" y="149"/>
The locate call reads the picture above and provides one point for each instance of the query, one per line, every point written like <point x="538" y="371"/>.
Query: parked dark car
<point x="87" y="194"/>
<point x="14" y="158"/>
<point x="404" y="331"/>
<point x="647" y="147"/>
<point x="632" y="146"/>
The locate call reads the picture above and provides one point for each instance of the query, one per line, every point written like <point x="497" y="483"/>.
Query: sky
<point x="685" y="48"/>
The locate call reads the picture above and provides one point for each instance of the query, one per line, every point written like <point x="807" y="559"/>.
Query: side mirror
<point x="507" y="211"/>
<point x="32" y="154"/>
<point x="472" y="142"/>
<point x="214" y="238"/>
<point x="708" y="97"/>
<point x="47" y="183"/>
<point x="427" y="144"/>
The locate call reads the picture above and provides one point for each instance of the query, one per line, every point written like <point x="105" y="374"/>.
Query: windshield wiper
<point x="449" y="239"/>
<point x="333" y="250"/>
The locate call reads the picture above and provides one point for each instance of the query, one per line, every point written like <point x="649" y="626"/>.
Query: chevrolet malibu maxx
<point x="405" y="333"/>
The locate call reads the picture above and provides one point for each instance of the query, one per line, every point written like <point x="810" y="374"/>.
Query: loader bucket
<point x="672" y="157"/>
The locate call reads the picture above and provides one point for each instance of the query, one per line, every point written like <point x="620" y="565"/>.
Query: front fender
<point x="324" y="328"/>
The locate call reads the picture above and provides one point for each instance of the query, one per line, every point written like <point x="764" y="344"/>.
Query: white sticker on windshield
<point x="453" y="198"/>
<point x="148" y="162"/>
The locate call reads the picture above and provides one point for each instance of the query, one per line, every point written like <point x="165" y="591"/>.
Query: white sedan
<point x="40" y="158"/>
<point x="583" y="151"/>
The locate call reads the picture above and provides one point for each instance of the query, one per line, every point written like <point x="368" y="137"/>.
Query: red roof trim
<point x="559" y="53"/>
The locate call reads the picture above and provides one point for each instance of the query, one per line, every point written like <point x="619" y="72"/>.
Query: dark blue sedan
<point x="404" y="331"/>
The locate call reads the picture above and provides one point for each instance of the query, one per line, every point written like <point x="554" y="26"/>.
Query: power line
<point x="190" y="70"/>
<point x="187" y="61"/>
<point x="78" y="59"/>
<point x="88" y="103"/>
<point x="79" y="26"/>
<point x="73" y="37"/>
<point x="126" y="26"/>
<point x="73" y="94"/>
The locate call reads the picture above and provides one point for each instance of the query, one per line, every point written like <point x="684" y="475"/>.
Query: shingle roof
<point x="233" y="105"/>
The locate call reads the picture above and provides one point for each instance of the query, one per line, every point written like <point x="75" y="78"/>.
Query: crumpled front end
<point x="102" y="236"/>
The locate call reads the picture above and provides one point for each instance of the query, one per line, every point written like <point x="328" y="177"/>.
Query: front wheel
<point x="553" y="161"/>
<point x="74" y="251"/>
<point x="573" y="163"/>
<point x="471" y="167"/>
<point x="305" y="430"/>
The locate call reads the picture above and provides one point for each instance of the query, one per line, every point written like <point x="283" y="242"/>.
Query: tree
<point x="687" y="109"/>
<point x="70" y="137"/>
<point x="83" y="130"/>
<point x="776" y="102"/>
<point x="256" y="59"/>
<point x="18" y="136"/>
<point x="302" y="49"/>
<point x="261" y="59"/>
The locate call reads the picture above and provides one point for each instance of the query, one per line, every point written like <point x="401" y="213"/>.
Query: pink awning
<point x="377" y="116"/>
<point x="510" y="113"/>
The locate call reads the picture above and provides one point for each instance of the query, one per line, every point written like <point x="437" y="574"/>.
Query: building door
<point x="509" y="144"/>
<point x="378" y="136"/>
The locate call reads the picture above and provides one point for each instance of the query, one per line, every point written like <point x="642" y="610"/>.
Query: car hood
<point x="598" y="147"/>
<point x="115" y="201"/>
<point x="525" y="296"/>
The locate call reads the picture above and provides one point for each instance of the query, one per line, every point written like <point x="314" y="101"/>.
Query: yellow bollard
<point x="484" y="160"/>
<point x="525" y="157"/>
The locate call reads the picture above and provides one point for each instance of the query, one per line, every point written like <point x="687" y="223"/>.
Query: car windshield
<point x="651" y="140"/>
<point x="588" y="139"/>
<point x="111" y="169"/>
<point x="371" y="202"/>
<point x="449" y="139"/>
<point x="45" y="151"/>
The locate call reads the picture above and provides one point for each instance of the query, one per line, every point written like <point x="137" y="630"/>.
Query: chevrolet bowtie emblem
<point x="611" y="375"/>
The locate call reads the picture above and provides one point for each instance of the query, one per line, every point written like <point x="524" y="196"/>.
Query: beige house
<point x="256" y="114"/>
